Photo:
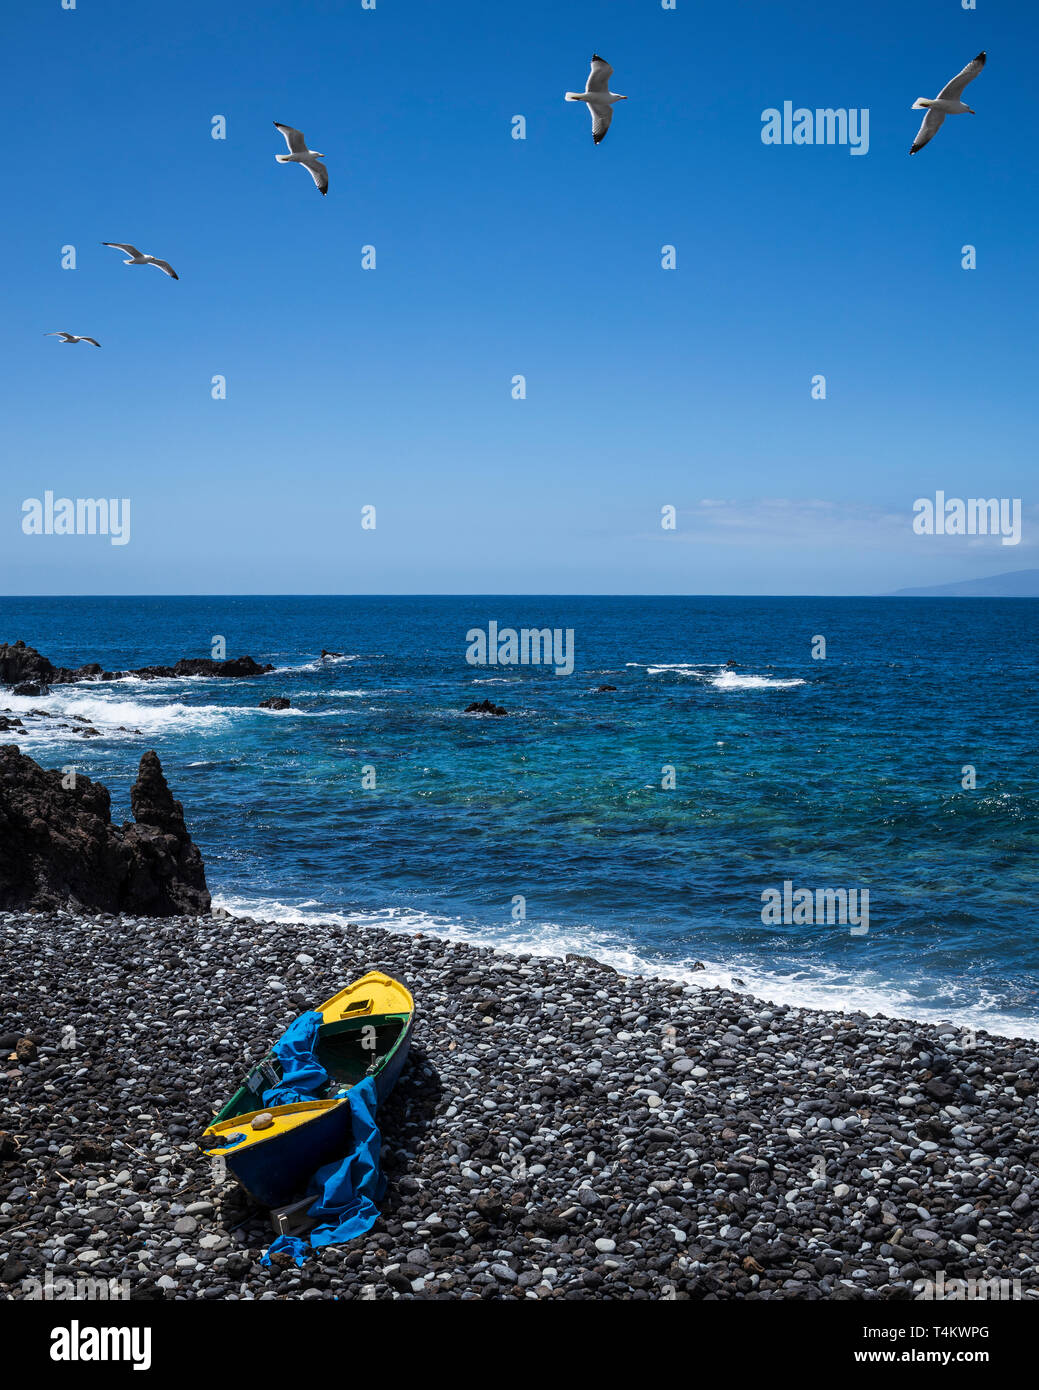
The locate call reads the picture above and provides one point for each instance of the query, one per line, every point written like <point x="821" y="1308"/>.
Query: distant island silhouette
<point x="1015" y="584"/>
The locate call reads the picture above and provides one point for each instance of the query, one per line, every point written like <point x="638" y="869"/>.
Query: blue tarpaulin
<point x="302" y="1075"/>
<point x="345" y="1191"/>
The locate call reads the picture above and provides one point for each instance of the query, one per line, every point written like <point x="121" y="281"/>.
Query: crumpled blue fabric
<point x="347" y="1189"/>
<point x="302" y="1073"/>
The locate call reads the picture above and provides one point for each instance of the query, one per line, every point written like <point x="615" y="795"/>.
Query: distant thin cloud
<point x="795" y="523"/>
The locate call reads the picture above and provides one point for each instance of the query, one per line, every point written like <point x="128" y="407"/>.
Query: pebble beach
<point x="560" y="1131"/>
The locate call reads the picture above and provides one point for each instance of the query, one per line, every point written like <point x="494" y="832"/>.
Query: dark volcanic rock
<point x="204" y="666"/>
<point x="24" y="666"/>
<point x="58" y="845"/>
<point x="32" y="674"/>
<point x="590" y="962"/>
<point x="276" y="702"/>
<point x="485" y="707"/>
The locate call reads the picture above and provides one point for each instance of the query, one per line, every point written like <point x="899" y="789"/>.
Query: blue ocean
<point x="642" y="824"/>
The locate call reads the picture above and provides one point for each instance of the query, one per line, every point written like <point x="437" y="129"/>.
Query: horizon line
<point x="527" y="595"/>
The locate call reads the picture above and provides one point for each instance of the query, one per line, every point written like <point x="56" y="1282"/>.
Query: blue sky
<point x="392" y="387"/>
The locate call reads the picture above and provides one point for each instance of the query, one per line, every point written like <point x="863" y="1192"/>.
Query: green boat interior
<point x="348" y="1050"/>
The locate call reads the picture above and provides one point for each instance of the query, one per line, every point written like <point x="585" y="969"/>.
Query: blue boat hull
<point x="275" y="1172"/>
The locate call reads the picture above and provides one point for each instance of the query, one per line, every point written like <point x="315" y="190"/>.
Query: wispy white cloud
<point x="798" y="523"/>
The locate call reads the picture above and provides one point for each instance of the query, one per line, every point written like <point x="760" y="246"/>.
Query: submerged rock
<point x="59" y="847"/>
<point x="276" y="702"/>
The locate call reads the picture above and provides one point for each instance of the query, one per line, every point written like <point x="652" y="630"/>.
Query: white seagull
<point x="139" y="258"/>
<point x="598" y="96"/>
<point x="72" y="338"/>
<point x="946" y="103"/>
<point x="299" y="154"/>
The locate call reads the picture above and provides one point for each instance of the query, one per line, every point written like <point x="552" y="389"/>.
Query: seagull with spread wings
<point x="139" y="258"/>
<point x="598" y="96"/>
<point x="946" y="103"/>
<point x="72" y="338"/>
<point x="299" y="154"/>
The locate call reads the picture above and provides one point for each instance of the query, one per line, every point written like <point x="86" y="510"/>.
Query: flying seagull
<point x="946" y="103"/>
<point x="598" y="96"/>
<point x="139" y="258"/>
<point x="72" y="338"/>
<point x="299" y="154"/>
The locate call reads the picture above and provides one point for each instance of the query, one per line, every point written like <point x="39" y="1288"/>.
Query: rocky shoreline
<point x="560" y="1132"/>
<point x="28" y="672"/>
<point x="60" y="849"/>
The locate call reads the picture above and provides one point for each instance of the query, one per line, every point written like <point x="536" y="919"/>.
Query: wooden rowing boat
<point x="273" y="1151"/>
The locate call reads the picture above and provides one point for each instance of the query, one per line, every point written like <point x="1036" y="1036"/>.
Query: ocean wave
<point x="150" y="718"/>
<point x="732" y="680"/>
<point x="721" y="676"/>
<point x="817" y="986"/>
<point x="684" y="668"/>
<point x="319" y="663"/>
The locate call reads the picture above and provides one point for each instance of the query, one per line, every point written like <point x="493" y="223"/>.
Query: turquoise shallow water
<point x="839" y="773"/>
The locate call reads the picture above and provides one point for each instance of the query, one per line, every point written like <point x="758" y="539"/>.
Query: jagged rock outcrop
<point x="276" y="702"/>
<point x="59" y="847"/>
<point x="25" y="666"/>
<point x="204" y="666"/>
<point x="486" y="707"/>
<point x="22" y="665"/>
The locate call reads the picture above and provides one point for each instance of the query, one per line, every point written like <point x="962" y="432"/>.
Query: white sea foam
<point x="320" y="663"/>
<point x="817" y="986"/>
<point x="107" y="713"/>
<point x="720" y="676"/>
<point x="684" y="668"/>
<point x="732" y="680"/>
